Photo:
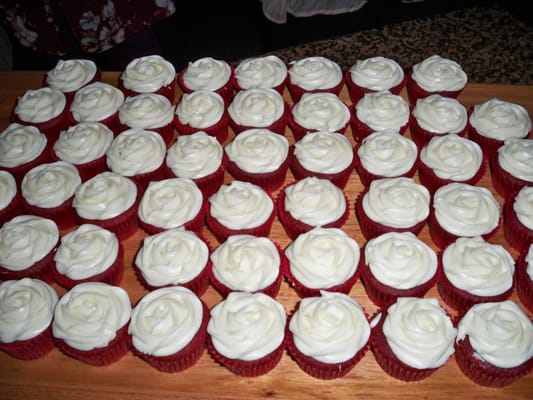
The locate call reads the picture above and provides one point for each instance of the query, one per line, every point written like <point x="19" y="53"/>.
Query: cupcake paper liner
<point x="277" y="126"/>
<point x="360" y="130"/>
<point x="50" y="128"/>
<point x="30" y="349"/>
<point x="356" y="92"/>
<point x="268" y="181"/>
<point x="298" y="131"/>
<point x="279" y="88"/>
<point x="41" y="269"/>
<point x="167" y="91"/>
<point x="297" y="92"/>
<point x="504" y="183"/>
<point x="63" y="215"/>
<point x="421" y="137"/>
<point x="20" y="171"/>
<point x="208" y="184"/>
<point x="112" y="122"/>
<point x="524" y="284"/>
<point x="225" y="91"/>
<point x="196" y="224"/>
<point x="89" y="169"/>
<point x="517" y="234"/>
<point x="218" y="130"/>
<point x="12" y="209"/>
<point x="415" y="92"/>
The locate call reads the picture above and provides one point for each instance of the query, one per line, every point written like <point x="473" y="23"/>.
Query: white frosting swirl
<point x="83" y="142"/>
<point x="241" y="205"/>
<point x="89" y="315"/>
<point x="324" y="152"/>
<point x="136" y="151"/>
<point x="260" y="72"/>
<point x="323" y="257"/>
<point x="40" y="105"/>
<point x="396" y="202"/>
<point x="400" y="260"/>
<point x="419" y="332"/>
<point x="247" y="326"/>
<point x="104" y="196"/>
<point x="331" y="328"/>
<point x="516" y="157"/>
<point x="315" y="201"/>
<point x="70" y="75"/>
<point x="26" y="309"/>
<point x="382" y="111"/>
<point x="206" y="73"/>
<point x="96" y="102"/>
<point x="146" y="111"/>
<point x="452" y="157"/>
<point x="87" y="251"/>
<point x="523" y="206"/>
<point x="500" y="119"/>
<point x="258" y="150"/>
<point x="8" y="188"/>
<point x="171" y="257"/>
<point x="200" y="109"/>
<point x="246" y="263"/>
<point x="165" y="321"/>
<point x="478" y="267"/>
<point x="25" y="240"/>
<point x="500" y="333"/>
<point x="256" y="107"/>
<point x="20" y="144"/>
<point x="148" y="74"/>
<point x="376" y="73"/>
<point x="170" y="203"/>
<point x="387" y="153"/>
<point x="321" y="111"/>
<point x="436" y="74"/>
<point x="439" y="114"/>
<point x="50" y="185"/>
<point x="466" y="210"/>
<point x="312" y="73"/>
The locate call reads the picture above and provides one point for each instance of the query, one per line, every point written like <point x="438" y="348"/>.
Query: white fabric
<point x="276" y="10"/>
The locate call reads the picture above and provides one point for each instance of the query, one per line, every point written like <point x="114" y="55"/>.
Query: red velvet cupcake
<point x="261" y="72"/>
<point x="518" y="218"/>
<point x="510" y="166"/>
<point x="68" y="76"/>
<point x="10" y="202"/>
<point x="524" y="277"/>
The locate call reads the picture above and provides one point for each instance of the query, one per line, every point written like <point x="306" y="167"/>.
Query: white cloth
<point x="276" y="10"/>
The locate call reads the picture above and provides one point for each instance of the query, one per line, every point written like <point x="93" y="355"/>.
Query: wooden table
<point x="58" y="377"/>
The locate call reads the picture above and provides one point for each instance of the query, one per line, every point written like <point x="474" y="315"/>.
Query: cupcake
<point x="412" y="338"/>
<point x="374" y="74"/>
<point x="48" y="190"/>
<point x="149" y="111"/>
<point x="209" y="74"/>
<point x="27" y="246"/>
<point x="524" y="277"/>
<point x="110" y="201"/>
<point x="450" y="158"/>
<point x="259" y="156"/>
<point x="462" y="210"/>
<point x="10" y="201"/>
<point x="392" y="205"/>
<point x="84" y="145"/>
<point x="385" y="154"/>
<point x="518" y="218"/>
<point x="174" y="257"/>
<point x="148" y="74"/>
<point x="169" y="328"/>
<point x="88" y="254"/>
<point x="475" y="271"/>
<point x="314" y="74"/>
<point x="328" y="335"/>
<point x="494" y="344"/>
<point x="172" y="203"/>
<point x="268" y="72"/>
<point x="318" y="112"/>
<point x="240" y="208"/>
<point x="246" y="333"/>
<point x="512" y="166"/>
<point x="199" y="157"/>
<point x="435" y="75"/>
<point x="322" y="259"/>
<point x="68" y="76"/>
<point x="138" y="154"/>
<point x="26" y="312"/>
<point x="202" y="110"/>
<point x="325" y="155"/>
<point x="495" y="120"/>
<point x="311" y="202"/>
<point x="397" y="264"/>
<point x="91" y="323"/>
<point x="247" y="263"/>
<point x="379" y="111"/>
<point x="258" y="108"/>
<point x="437" y="115"/>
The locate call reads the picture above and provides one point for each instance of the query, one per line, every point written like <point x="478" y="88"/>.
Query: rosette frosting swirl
<point x="256" y="107"/>
<point x="313" y="73"/>
<point x="260" y="72"/>
<point x="439" y="114"/>
<point x="321" y="111"/>
<point x="500" y="119"/>
<point x="206" y="73"/>
<point x="148" y="74"/>
<point x="376" y="73"/>
<point x="516" y="157"/>
<point x="200" y="109"/>
<point x="383" y="111"/>
<point x="20" y="144"/>
<point x="83" y="142"/>
<point x="324" y="152"/>
<point x="40" y="105"/>
<point x="436" y="73"/>
<point x="70" y="75"/>
<point x="146" y="111"/>
<point x="96" y="102"/>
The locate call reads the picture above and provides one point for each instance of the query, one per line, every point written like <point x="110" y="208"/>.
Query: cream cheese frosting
<point x="478" y="267"/>
<point x="439" y="114"/>
<point x="246" y="263"/>
<point x="500" y="333"/>
<point x="26" y="309"/>
<point x="312" y="73"/>
<point x="89" y="315"/>
<point x="148" y="74"/>
<point x="256" y="107"/>
<point x="8" y="188"/>
<point x="331" y="328"/>
<point x="258" y="150"/>
<point x="247" y="326"/>
<point x="523" y="206"/>
<point x="377" y="73"/>
<point x="315" y="201"/>
<point x="516" y="157"/>
<point x="96" y="102"/>
<point x="396" y="202"/>
<point x="323" y="257"/>
<point x="25" y="240"/>
<point x="86" y="251"/>
<point x="172" y="257"/>
<point x="321" y="111"/>
<point x="206" y="73"/>
<point x="499" y="119"/>
<point x="70" y="75"/>
<point x="383" y="111"/>
<point x="20" y="144"/>
<point x="466" y="210"/>
<point x="419" y="332"/>
<point x="260" y="72"/>
<point x="436" y="73"/>
<point x="165" y="321"/>
<point x="400" y="260"/>
<point x="40" y="105"/>
<point x="170" y="203"/>
<point x="83" y="142"/>
<point x="146" y="111"/>
<point x="200" y="109"/>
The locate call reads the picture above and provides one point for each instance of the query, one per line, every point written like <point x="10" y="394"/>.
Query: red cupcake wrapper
<point x="517" y="234"/>
<point x="89" y="169"/>
<point x="70" y="95"/>
<point x="12" y="209"/>
<point x="112" y="122"/>
<point x="504" y="183"/>
<point x="30" y="349"/>
<point x="142" y="180"/>
<point x="524" y="284"/>
<point x="360" y="130"/>
<point x="356" y="92"/>
<point x="278" y="126"/>
<point x="225" y="91"/>
<point x="268" y="181"/>
<point x="297" y="92"/>
<point x="196" y="224"/>
<point x="166" y="132"/>
<point x="167" y="91"/>
<point x="415" y="92"/>
<point x="41" y="269"/>
<point x="218" y="130"/>
<point x="298" y="131"/>
<point x="421" y="137"/>
<point x="279" y="88"/>
<point x="51" y="128"/>
<point x="20" y="171"/>
<point x="63" y="215"/>
<point x="488" y="145"/>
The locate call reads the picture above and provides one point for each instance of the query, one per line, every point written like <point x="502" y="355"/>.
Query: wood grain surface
<point x="57" y="376"/>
